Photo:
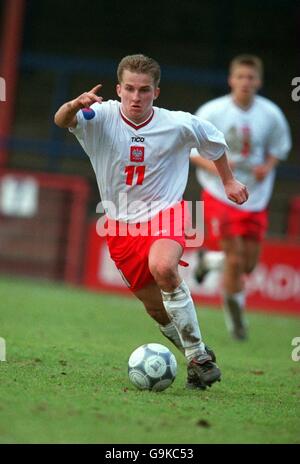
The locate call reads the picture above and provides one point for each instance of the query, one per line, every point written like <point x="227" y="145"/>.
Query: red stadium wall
<point x="273" y="286"/>
<point x="294" y="218"/>
<point x="49" y="241"/>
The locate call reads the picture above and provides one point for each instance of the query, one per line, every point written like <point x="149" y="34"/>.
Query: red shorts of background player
<point x="223" y="221"/>
<point x="130" y="253"/>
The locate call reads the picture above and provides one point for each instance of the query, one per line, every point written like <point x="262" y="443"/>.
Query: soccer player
<point x="258" y="137"/>
<point x="141" y="153"/>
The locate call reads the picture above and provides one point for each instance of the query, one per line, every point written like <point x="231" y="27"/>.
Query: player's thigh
<point x="252" y="249"/>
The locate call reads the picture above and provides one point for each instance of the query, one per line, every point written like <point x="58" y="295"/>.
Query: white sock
<point x="214" y="260"/>
<point x="181" y="311"/>
<point x="170" y="332"/>
<point x="240" y="299"/>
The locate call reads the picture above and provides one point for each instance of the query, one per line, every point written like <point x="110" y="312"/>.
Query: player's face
<point x="244" y="82"/>
<point x="137" y="92"/>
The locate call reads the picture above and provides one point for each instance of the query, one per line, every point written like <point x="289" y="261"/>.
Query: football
<point x="152" y="367"/>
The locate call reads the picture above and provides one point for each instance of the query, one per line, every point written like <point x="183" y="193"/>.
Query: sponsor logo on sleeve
<point x="88" y="113"/>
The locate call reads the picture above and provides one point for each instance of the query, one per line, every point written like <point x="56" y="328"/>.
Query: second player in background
<point x="258" y="137"/>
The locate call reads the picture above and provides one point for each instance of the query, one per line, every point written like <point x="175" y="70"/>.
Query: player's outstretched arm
<point x="66" y="114"/>
<point x="235" y="191"/>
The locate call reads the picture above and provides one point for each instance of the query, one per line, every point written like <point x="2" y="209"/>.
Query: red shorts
<point x="224" y="221"/>
<point x="130" y="250"/>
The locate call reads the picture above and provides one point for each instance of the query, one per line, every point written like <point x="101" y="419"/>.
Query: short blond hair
<point x="140" y="64"/>
<point x="247" y="60"/>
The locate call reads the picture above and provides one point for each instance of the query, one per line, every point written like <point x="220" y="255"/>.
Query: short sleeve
<point x="279" y="143"/>
<point x="89" y="127"/>
<point x="212" y="144"/>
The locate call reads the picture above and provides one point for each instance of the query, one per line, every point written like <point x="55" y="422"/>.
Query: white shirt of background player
<point x="251" y="135"/>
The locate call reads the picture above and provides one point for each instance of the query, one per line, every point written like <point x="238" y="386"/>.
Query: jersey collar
<point x="133" y="124"/>
<point x="243" y="108"/>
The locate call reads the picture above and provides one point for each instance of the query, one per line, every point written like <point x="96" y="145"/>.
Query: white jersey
<point x="143" y="169"/>
<point x="251" y="135"/>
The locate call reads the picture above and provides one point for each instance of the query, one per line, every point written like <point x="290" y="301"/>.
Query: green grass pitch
<point x="65" y="378"/>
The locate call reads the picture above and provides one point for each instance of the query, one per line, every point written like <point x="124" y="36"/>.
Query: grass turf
<point x="65" y="379"/>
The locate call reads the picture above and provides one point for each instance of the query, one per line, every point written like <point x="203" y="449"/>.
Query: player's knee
<point x="235" y="261"/>
<point x="162" y="272"/>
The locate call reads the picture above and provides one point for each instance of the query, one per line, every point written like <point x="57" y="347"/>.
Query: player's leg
<point x="242" y="253"/>
<point x="131" y="258"/>
<point x="210" y="257"/>
<point x="233" y="285"/>
<point x="164" y="257"/>
<point x="151" y="297"/>
<point x="252" y="249"/>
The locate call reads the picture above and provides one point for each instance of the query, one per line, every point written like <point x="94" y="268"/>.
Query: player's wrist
<point x="74" y="106"/>
<point x="271" y="164"/>
<point x="229" y="181"/>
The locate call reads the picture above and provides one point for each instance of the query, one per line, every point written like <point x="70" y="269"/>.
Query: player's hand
<point x="261" y="171"/>
<point x="86" y="99"/>
<point x="236" y="191"/>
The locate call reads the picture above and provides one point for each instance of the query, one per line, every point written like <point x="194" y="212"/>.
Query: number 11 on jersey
<point x="135" y="173"/>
